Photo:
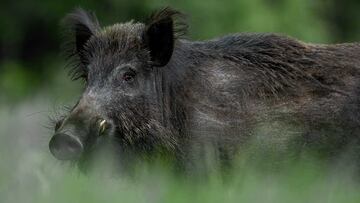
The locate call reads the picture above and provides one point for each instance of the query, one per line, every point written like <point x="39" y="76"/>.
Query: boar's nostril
<point x="65" y="147"/>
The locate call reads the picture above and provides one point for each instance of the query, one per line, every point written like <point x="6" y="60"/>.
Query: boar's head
<point x="119" y="105"/>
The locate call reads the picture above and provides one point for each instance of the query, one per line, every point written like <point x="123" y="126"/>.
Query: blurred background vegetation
<point x="30" y="35"/>
<point x="34" y="83"/>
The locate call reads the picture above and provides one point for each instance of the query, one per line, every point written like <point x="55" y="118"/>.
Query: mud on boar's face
<point x="117" y="108"/>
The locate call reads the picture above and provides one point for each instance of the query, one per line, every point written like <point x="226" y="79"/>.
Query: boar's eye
<point x="129" y="76"/>
<point x="125" y="73"/>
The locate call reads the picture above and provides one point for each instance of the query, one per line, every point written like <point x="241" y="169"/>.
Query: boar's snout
<point x="78" y="132"/>
<point x="66" y="146"/>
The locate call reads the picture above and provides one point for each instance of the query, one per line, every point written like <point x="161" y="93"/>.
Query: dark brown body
<point x="153" y="92"/>
<point x="280" y="92"/>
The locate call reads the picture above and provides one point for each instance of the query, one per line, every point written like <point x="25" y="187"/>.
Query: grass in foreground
<point x="302" y="182"/>
<point x="28" y="174"/>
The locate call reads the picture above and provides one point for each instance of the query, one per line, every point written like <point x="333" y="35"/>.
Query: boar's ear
<point x="160" y="34"/>
<point x="81" y="26"/>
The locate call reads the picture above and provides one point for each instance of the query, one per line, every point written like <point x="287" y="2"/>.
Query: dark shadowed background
<point x="34" y="85"/>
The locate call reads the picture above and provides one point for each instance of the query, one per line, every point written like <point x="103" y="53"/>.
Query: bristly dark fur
<point x="180" y="25"/>
<point x="83" y="21"/>
<point x="160" y="92"/>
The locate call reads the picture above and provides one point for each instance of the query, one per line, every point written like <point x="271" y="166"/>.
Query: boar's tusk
<point x="102" y="126"/>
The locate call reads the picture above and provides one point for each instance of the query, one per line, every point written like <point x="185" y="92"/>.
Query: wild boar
<point x="149" y="91"/>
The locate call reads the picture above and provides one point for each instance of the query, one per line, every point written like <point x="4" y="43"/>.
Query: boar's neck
<point x="170" y="92"/>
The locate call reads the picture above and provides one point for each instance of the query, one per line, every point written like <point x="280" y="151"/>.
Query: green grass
<point x="302" y="182"/>
<point x="29" y="174"/>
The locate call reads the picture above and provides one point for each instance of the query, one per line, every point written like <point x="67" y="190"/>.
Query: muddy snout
<point x="71" y="140"/>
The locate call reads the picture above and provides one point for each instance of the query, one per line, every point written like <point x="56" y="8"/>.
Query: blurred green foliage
<point x="30" y="35"/>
